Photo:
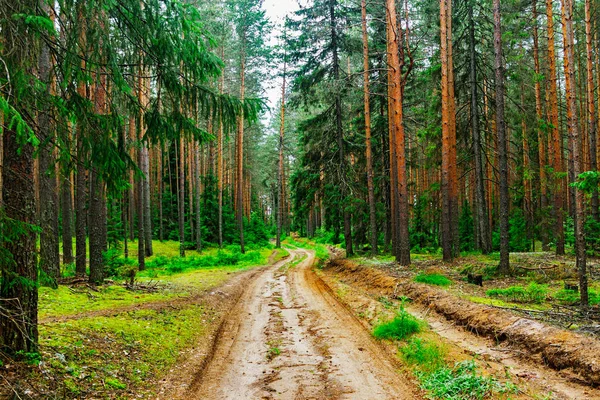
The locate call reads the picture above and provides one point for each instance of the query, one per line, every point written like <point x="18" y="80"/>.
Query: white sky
<point x="276" y="11"/>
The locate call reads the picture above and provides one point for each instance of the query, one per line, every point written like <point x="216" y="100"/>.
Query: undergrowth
<point x="532" y="293"/>
<point x="402" y="326"/>
<point x="433" y="279"/>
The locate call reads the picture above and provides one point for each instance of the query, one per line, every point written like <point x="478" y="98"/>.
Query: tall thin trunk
<point x="541" y="134"/>
<point x="198" y="194"/>
<point x="220" y="159"/>
<point x="181" y="194"/>
<point x="18" y="288"/>
<point x="49" y="246"/>
<point x="575" y="146"/>
<point x="393" y="171"/>
<point x="67" y="219"/>
<point x="81" y="184"/>
<point x="340" y="131"/>
<point x="504" y="267"/>
<point x="280" y="188"/>
<point x="240" y="154"/>
<point x="453" y="164"/>
<point x="447" y="242"/>
<point x="592" y="121"/>
<point x="146" y="199"/>
<point x="480" y="200"/>
<point x="401" y="189"/>
<point x="556" y="147"/>
<point x="368" y="151"/>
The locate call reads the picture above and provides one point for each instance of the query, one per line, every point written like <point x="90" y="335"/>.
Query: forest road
<point x="289" y="338"/>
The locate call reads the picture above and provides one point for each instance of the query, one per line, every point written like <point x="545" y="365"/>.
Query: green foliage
<point x="518" y="240"/>
<point x="115" y="383"/>
<point x="568" y="297"/>
<point x="402" y="326"/>
<point x="32" y="358"/>
<point x="433" y="279"/>
<point x="533" y="293"/>
<point x="229" y="256"/>
<point x="462" y="382"/>
<point x="426" y="355"/>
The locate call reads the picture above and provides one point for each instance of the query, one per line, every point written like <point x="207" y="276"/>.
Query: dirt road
<point x="289" y="338"/>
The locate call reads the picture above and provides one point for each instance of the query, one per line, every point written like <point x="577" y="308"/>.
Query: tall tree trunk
<point x="198" y="194"/>
<point x="504" y="267"/>
<point x="340" y="131"/>
<point x="18" y="289"/>
<point x="220" y="159"/>
<point x="390" y="49"/>
<point x="146" y="199"/>
<point x="556" y="147"/>
<point x="541" y="134"/>
<point x="81" y="184"/>
<point x="453" y="164"/>
<point x="403" y="246"/>
<point x="480" y="199"/>
<point x="49" y="246"/>
<point x="67" y="218"/>
<point x="19" y="274"/>
<point x="368" y="151"/>
<point x="240" y="154"/>
<point x="280" y="188"/>
<point x="97" y="215"/>
<point x="447" y="237"/>
<point x="575" y="146"/>
<point x="592" y="121"/>
<point x="181" y="194"/>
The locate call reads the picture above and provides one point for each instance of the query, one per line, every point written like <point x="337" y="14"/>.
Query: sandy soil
<point x="288" y="337"/>
<point x="529" y="372"/>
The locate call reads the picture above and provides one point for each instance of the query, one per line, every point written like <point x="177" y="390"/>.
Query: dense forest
<point x="401" y="127"/>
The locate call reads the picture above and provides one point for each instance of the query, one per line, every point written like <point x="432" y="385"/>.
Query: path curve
<point x="289" y="338"/>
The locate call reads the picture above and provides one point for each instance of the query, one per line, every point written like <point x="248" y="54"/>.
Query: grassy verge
<point x="321" y="251"/>
<point x="111" y="342"/>
<point x="430" y="363"/>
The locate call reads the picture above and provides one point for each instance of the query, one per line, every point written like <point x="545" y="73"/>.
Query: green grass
<point x="321" y="251"/>
<point x="402" y="326"/>
<point x="565" y="296"/>
<point x="433" y="279"/>
<point x="128" y="348"/>
<point x="426" y="354"/>
<point x="108" y="356"/>
<point x="532" y="293"/>
<point x="460" y="382"/>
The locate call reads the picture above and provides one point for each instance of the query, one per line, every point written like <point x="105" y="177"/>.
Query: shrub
<point x="433" y="279"/>
<point x="533" y="293"/>
<point x="403" y="325"/>
<point x="426" y="355"/>
<point x="565" y="296"/>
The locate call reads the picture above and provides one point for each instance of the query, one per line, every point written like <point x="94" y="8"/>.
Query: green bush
<point x="565" y="296"/>
<point x="426" y="355"/>
<point x="433" y="279"/>
<point x="403" y="325"/>
<point x="533" y="293"/>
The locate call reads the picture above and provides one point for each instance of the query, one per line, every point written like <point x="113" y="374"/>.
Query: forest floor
<point x="553" y="356"/>
<point x="119" y="341"/>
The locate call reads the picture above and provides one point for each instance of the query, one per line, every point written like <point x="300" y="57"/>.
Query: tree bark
<point x="340" y="130"/>
<point x="280" y="188"/>
<point x="403" y="244"/>
<point x="480" y="196"/>
<point x="556" y="147"/>
<point x="575" y="147"/>
<point x="368" y="151"/>
<point x="240" y="153"/>
<point x="504" y="267"/>
<point x="49" y="246"/>
<point x="592" y="121"/>
<point x="541" y="134"/>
